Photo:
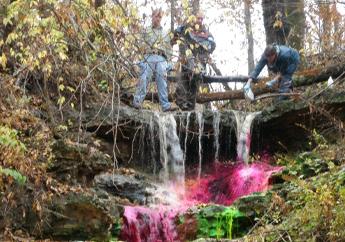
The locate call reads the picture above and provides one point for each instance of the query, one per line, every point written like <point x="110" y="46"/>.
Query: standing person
<point x="196" y="45"/>
<point x="282" y="61"/>
<point x="155" y="63"/>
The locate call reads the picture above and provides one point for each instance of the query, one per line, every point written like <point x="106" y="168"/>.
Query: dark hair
<point x="270" y="50"/>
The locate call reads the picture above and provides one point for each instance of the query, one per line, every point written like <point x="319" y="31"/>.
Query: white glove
<point x="248" y="93"/>
<point x="271" y="83"/>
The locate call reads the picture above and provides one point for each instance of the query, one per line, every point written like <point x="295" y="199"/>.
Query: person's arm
<point x="258" y="68"/>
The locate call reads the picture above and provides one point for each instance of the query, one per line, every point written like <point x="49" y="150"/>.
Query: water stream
<point x="153" y="144"/>
<point x="201" y="130"/>
<point x="244" y="123"/>
<point x="186" y="136"/>
<point x="216" y="120"/>
<point x="171" y="154"/>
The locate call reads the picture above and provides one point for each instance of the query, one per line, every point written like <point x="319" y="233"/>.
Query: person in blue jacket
<point x="281" y="60"/>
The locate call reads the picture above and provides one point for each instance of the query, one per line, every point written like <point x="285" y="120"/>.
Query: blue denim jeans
<point x="153" y="65"/>
<point x="285" y="85"/>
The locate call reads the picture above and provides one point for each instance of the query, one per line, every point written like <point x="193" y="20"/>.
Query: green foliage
<point x="103" y="85"/>
<point x="19" y="178"/>
<point x="116" y="229"/>
<point x="316" y="205"/>
<point x="9" y="139"/>
<point x="74" y="41"/>
<point x="308" y="164"/>
<point x="218" y="222"/>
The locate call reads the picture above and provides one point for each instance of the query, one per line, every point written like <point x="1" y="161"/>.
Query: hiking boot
<point x="136" y="106"/>
<point x="172" y="108"/>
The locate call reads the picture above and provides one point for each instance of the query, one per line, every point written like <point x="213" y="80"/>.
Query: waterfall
<point x="153" y="145"/>
<point x="186" y="136"/>
<point x="171" y="154"/>
<point x="201" y="130"/>
<point x="216" y="119"/>
<point x="244" y="122"/>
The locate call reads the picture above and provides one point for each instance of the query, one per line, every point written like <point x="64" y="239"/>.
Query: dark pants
<point x="188" y="83"/>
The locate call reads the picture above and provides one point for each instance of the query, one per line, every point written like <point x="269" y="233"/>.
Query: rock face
<point x="132" y="187"/>
<point x="79" y="216"/>
<point x="287" y="126"/>
<point x="281" y="127"/>
<point x="73" y="161"/>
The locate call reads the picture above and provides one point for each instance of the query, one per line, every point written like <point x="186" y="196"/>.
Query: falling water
<point x="186" y="137"/>
<point x="170" y="151"/>
<point x="149" y="224"/>
<point x="216" y="119"/>
<point x="201" y="130"/>
<point x="244" y="122"/>
<point x="153" y="146"/>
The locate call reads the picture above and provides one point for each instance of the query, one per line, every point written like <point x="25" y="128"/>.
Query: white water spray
<point x="216" y="120"/>
<point x="170" y="151"/>
<point x="201" y="130"/>
<point x="244" y="122"/>
<point x="153" y="145"/>
<point x="186" y="136"/>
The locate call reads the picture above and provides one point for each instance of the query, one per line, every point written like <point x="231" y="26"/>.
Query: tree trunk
<point x="326" y="27"/>
<point x="173" y="14"/>
<point x="249" y="34"/>
<point x="276" y="26"/>
<point x="195" y="5"/>
<point x="296" y="18"/>
<point x="99" y="3"/>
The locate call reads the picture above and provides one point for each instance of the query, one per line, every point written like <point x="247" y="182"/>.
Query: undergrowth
<point x="312" y="198"/>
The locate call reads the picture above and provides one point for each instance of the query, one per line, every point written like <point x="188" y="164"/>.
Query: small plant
<point x="19" y="178"/>
<point x="9" y="139"/>
<point x="103" y="85"/>
<point x="218" y="222"/>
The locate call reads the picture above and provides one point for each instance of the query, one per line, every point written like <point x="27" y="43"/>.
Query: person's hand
<point x="248" y="93"/>
<point x="271" y="83"/>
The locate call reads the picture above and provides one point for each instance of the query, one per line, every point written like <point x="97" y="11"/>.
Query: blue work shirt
<point x="286" y="63"/>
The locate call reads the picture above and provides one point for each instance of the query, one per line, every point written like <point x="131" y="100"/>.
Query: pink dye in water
<point x="226" y="184"/>
<point x="143" y="224"/>
<point x="230" y="182"/>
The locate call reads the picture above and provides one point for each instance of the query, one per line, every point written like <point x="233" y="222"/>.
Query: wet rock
<point x="287" y="126"/>
<point x="80" y="216"/>
<point x="77" y="162"/>
<point x="254" y="205"/>
<point x="133" y="187"/>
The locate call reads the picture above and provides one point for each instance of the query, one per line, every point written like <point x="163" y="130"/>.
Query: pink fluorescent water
<point x="143" y="224"/>
<point x="223" y="186"/>
<point x="230" y="182"/>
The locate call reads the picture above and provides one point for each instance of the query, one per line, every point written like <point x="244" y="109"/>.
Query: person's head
<point x="157" y="15"/>
<point x="271" y="54"/>
<point x="199" y="18"/>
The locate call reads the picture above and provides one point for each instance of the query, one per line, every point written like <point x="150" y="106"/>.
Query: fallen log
<point x="305" y="78"/>
<point x="215" y="79"/>
<point x="312" y="76"/>
<point x="229" y="95"/>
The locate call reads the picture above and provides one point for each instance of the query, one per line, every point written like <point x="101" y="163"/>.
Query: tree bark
<point x="249" y="34"/>
<point x="296" y="18"/>
<point x="276" y="26"/>
<point x="173" y="14"/>
<point x="195" y="5"/>
<point x="99" y="3"/>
